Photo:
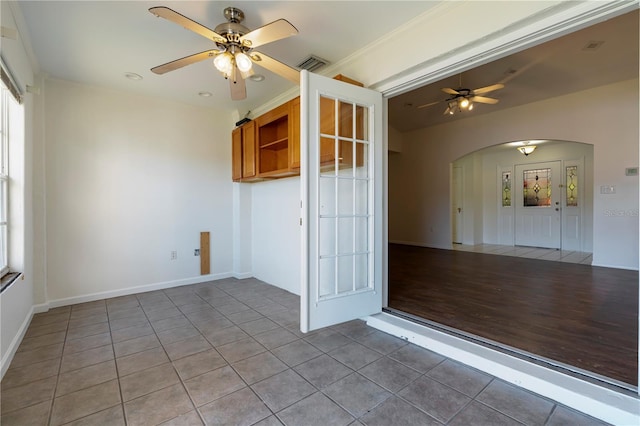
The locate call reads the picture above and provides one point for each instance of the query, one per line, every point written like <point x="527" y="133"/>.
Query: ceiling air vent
<point x="312" y="63"/>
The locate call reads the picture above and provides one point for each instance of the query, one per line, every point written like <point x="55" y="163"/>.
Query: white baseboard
<point x="242" y="275"/>
<point x="597" y="401"/>
<point x="42" y="307"/>
<point x="134" y="290"/>
<point x="415" y="244"/>
<point x="13" y="346"/>
<point x="602" y="265"/>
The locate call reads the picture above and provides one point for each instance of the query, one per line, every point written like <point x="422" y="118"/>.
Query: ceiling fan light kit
<point x="233" y="54"/>
<point x="463" y="99"/>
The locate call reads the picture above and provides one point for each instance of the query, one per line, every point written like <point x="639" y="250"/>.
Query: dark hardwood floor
<point x="579" y="315"/>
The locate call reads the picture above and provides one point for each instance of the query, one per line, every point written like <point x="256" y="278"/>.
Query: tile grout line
<point x="55" y="389"/>
<point x="115" y="362"/>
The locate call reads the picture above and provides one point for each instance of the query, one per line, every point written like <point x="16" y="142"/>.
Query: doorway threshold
<point x="540" y="253"/>
<point x="600" y="397"/>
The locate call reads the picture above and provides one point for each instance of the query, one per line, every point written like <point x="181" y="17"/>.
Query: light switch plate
<point x="607" y="189"/>
<point x="631" y="171"/>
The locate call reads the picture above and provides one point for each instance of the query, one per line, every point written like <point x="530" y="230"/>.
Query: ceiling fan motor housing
<point x="233" y="29"/>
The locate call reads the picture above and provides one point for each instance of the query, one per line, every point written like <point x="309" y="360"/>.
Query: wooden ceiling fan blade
<point x="276" y="66"/>
<point x="429" y="104"/>
<point x="191" y="25"/>
<point x="182" y="62"/>
<point x="484" y="100"/>
<point x="276" y="30"/>
<point x="488" y="89"/>
<point x="450" y="91"/>
<point x="238" y="87"/>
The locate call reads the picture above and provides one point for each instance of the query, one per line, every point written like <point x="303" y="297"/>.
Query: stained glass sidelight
<point x="506" y="189"/>
<point x="572" y="186"/>
<point x="537" y="188"/>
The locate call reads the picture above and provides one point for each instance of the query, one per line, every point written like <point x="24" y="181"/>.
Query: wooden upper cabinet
<point x="269" y="146"/>
<point x="243" y="151"/>
<point x="274" y="136"/>
<point x="294" y="133"/>
<point x="249" y="150"/>
<point x="236" y="154"/>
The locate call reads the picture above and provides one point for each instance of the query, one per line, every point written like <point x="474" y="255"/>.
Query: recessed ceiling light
<point x="204" y="94"/>
<point x="133" y="76"/>
<point x="257" y="77"/>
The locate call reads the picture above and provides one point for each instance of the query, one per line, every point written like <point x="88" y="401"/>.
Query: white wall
<point x="419" y="176"/>
<point x="128" y="180"/>
<point x="275" y="214"/>
<point x="16" y="302"/>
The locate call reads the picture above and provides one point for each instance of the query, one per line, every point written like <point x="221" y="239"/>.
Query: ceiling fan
<point x="233" y="54"/>
<point x="462" y="99"/>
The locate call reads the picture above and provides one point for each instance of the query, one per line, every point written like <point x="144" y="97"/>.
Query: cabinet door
<point x="249" y="150"/>
<point x="236" y="154"/>
<point x="294" y="134"/>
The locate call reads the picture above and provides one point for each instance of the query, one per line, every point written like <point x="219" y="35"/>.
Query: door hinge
<point x="300" y="221"/>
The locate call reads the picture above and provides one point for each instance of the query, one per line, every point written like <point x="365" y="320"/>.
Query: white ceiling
<point x="554" y="68"/>
<point x="97" y="42"/>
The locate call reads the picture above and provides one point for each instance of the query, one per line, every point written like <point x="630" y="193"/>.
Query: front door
<point x="538" y="204"/>
<point x="341" y="185"/>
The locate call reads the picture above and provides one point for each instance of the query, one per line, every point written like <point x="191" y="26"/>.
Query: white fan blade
<point x="276" y="66"/>
<point x="191" y="25"/>
<point x="488" y="89"/>
<point x="268" y="33"/>
<point x="238" y="86"/>
<point x="182" y="62"/>
<point x="450" y="91"/>
<point x="484" y="100"/>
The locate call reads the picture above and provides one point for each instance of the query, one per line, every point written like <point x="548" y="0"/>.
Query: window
<point x="572" y="186"/>
<point x="11" y="149"/>
<point x="537" y="188"/>
<point x="4" y="179"/>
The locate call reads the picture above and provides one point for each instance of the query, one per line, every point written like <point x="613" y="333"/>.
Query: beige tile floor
<point x="229" y="352"/>
<point x="569" y="256"/>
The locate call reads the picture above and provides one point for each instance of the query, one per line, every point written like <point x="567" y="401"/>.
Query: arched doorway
<point x="502" y="199"/>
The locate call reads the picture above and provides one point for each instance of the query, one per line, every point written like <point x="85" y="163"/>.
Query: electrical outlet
<point x="196" y="252"/>
<point x="174" y="255"/>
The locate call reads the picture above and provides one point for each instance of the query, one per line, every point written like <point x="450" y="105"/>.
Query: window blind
<point x="8" y="81"/>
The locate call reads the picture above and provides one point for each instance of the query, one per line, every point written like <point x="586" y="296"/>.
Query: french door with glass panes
<point x="341" y="168"/>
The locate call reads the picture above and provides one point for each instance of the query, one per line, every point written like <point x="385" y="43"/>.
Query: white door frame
<point x="457" y="204"/>
<point x="607" y="404"/>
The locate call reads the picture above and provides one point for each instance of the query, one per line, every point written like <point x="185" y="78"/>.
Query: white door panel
<point x="341" y="169"/>
<point x="538" y="204"/>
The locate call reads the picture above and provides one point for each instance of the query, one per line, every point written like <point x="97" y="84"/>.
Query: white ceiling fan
<point x="462" y="99"/>
<point x="233" y="54"/>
